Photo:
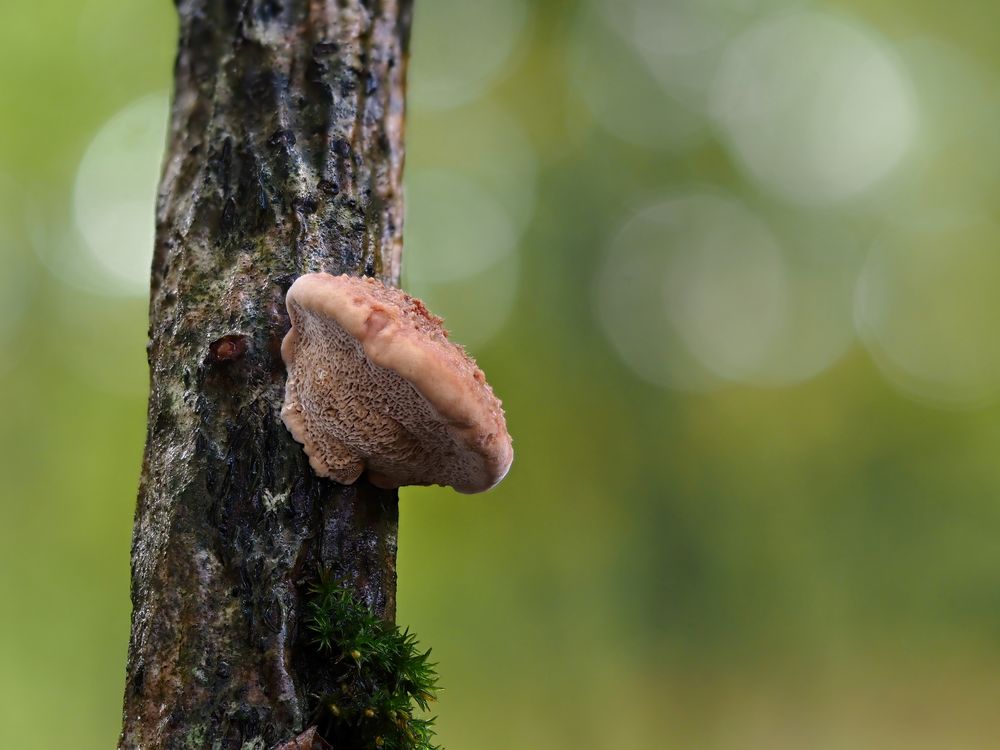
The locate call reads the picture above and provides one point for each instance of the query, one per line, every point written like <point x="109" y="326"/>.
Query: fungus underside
<point x="383" y="677"/>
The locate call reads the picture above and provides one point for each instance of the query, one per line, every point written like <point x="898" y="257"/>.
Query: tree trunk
<point x="284" y="156"/>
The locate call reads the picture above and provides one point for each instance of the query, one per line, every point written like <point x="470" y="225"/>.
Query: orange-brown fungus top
<point x="374" y="384"/>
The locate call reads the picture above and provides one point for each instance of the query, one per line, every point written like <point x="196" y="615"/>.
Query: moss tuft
<point x="382" y="675"/>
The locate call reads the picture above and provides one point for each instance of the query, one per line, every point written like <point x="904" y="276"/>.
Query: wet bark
<point x="284" y="156"/>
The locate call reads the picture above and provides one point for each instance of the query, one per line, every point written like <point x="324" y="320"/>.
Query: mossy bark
<point x="284" y="156"/>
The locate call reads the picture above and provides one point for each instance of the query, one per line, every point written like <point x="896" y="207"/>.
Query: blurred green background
<point x="733" y="266"/>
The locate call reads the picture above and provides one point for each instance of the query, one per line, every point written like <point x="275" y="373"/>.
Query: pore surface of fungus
<point x="374" y="384"/>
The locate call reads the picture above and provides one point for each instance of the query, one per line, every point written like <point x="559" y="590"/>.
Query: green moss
<point x="195" y="737"/>
<point x="382" y="675"/>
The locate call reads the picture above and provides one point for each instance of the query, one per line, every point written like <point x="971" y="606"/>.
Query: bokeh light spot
<point x="955" y="159"/>
<point x="459" y="48"/>
<point x="460" y="254"/>
<point x="622" y="95"/>
<point x="816" y="109"/>
<point x="724" y="286"/>
<point x="821" y="265"/>
<point x="454" y="227"/>
<point x="692" y="290"/>
<point x="697" y="290"/>
<point x="475" y="308"/>
<point x="114" y="198"/>
<point x="681" y="40"/>
<point x="927" y="307"/>
<point x="484" y="142"/>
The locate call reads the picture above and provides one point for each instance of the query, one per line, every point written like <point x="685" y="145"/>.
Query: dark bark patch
<point x="324" y="48"/>
<point x="285" y="138"/>
<point x="342" y="148"/>
<point x="328" y="187"/>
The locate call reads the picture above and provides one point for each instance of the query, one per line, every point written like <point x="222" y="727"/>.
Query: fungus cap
<point x="374" y="383"/>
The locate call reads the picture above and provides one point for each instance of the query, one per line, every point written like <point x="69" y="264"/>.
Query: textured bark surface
<point x="284" y="156"/>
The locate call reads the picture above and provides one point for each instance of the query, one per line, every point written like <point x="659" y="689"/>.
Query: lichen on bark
<point x="284" y="156"/>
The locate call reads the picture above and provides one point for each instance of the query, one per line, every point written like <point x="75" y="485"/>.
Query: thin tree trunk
<point x="284" y="156"/>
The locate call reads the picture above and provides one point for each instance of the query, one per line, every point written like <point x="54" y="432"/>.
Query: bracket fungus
<point x="374" y="384"/>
